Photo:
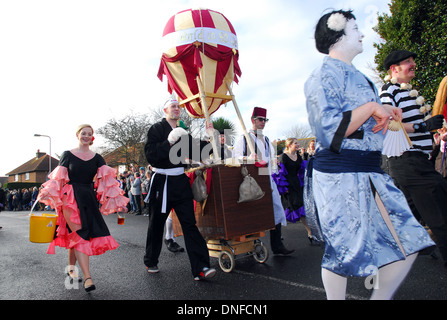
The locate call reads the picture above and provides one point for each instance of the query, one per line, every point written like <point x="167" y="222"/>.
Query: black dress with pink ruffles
<point x="74" y="194"/>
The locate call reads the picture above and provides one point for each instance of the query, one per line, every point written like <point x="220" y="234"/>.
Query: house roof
<point x="118" y="156"/>
<point x="115" y="157"/>
<point x="38" y="163"/>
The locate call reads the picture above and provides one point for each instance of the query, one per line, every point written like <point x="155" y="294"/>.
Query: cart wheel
<point x="226" y="261"/>
<point x="261" y="253"/>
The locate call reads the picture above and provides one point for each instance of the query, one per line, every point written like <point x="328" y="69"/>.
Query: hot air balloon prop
<point x="200" y="61"/>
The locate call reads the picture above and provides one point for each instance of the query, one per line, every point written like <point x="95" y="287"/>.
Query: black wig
<point x="325" y="37"/>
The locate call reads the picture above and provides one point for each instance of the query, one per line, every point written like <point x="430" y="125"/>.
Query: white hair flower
<point x="422" y="110"/>
<point x="393" y="80"/>
<point x="336" y="22"/>
<point x="387" y="78"/>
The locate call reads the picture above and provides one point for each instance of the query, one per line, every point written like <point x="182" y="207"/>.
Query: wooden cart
<point x="233" y="230"/>
<point x="228" y="251"/>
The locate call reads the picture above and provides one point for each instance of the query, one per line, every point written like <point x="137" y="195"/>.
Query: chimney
<point x="40" y="154"/>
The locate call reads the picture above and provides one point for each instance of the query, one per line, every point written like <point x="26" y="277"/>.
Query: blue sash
<point x="347" y="161"/>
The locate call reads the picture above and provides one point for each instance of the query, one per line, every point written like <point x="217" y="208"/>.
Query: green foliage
<point x="226" y="125"/>
<point x="223" y="124"/>
<point x="419" y="26"/>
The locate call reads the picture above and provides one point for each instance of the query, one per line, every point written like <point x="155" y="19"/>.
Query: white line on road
<point x="295" y="284"/>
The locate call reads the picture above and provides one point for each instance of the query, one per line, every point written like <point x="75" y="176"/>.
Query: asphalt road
<point x="28" y="273"/>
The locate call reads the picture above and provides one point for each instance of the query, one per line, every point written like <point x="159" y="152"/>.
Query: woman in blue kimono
<point x="365" y="222"/>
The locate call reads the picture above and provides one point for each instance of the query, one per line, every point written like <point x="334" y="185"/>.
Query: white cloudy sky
<point x="66" y="62"/>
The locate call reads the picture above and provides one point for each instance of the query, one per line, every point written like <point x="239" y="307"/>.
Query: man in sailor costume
<point x="166" y="148"/>
<point x="424" y="188"/>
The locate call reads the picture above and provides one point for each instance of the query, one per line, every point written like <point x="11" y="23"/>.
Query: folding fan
<point x="396" y="140"/>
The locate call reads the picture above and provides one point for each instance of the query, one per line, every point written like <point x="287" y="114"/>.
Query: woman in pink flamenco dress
<point x="71" y="192"/>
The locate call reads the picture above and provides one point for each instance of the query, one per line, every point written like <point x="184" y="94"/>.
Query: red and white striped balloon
<point x="199" y="43"/>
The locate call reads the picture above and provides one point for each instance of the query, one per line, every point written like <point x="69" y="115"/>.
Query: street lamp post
<point x="49" y="159"/>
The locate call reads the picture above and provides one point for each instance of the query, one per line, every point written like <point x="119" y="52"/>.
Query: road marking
<point x="295" y="284"/>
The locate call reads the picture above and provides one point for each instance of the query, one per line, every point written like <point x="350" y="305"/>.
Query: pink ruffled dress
<point x="71" y="192"/>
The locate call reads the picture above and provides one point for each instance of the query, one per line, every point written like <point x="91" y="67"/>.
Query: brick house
<point x="123" y="159"/>
<point x="32" y="173"/>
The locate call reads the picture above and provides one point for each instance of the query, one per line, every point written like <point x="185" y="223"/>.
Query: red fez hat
<point x="259" y="112"/>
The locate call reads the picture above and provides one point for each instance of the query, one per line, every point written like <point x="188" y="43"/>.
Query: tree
<point x="226" y="125"/>
<point x="419" y="26"/>
<point x="195" y="125"/>
<point x="280" y="146"/>
<point x="299" y="131"/>
<point x="126" y="138"/>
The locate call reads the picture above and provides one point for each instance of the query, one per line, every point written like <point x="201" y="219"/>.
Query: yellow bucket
<point x="42" y="227"/>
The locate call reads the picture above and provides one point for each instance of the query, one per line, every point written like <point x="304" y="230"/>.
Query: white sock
<point x="334" y="284"/>
<point x="169" y="233"/>
<point x="391" y="276"/>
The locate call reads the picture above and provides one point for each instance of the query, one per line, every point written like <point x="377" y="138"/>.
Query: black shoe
<point x="89" y="288"/>
<point x="283" y="251"/>
<point x="173" y="246"/>
<point x="311" y="240"/>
